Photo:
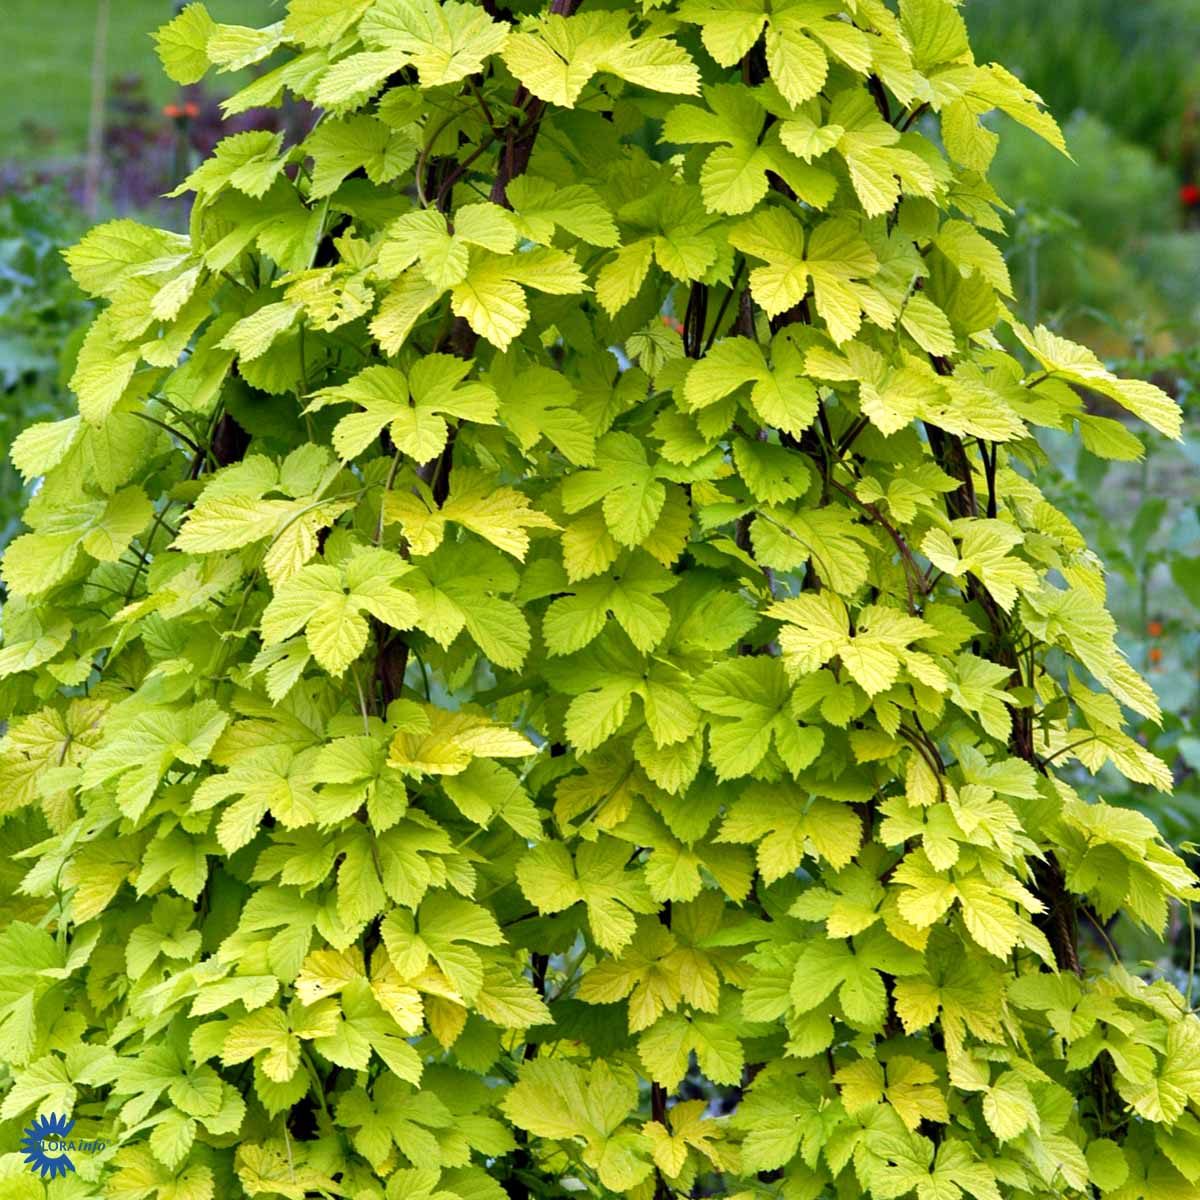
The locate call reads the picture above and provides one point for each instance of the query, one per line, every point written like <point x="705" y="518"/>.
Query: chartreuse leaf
<point x="356" y="143"/>
<point x="817" y="628"/>
<point x="465" y="587"/>
<point x="556" y="1099"/>
<point x="880" y="163"/>
<point x="649" y="972"/>
<point x="321" y="22"/>
<point x="689" y="1131"/>
<point x="665" y="1047"/>
<point x="537" y="402"/>
<point x="500" y="515"/>
<point x="749" y="715"/>
<point x="552" y="881"/>
<point x="669" y="227"/>
<point x="329" y="604"/>
<point x="412" y="408"/>
<point x="137" y="756"/>
<point x="734" y="176"/>
<point x="102" y="528"/>
<point x="852" y="972"/>
<point x="247" y="161"/>
<point x="780" y="1116"/>
<point x="541" y="207"/>
<point x="1076" y="364"/>
<point x="425" y="237"/>
<point x="982" y="548"/>
<point x="909" y="1086"/>
<point x="556" y="57"/>
<point x="785" y="824"/>
<point x="544" y="660"/>
<point x="433" y="741"/>
<point x="112" y="253"/>
<point x="829" y="262"/>
<point x="491" y="297"/>
<point x="781" y="396"/>
<point x="800" y="39"/>
<point x="444" y="42"/>
<point x="787" y="538"/>
<point x="182" y="44"/>
<point x="624" y="483"/>
<point x="440" y="925"/>
<point x="631" y="597"/>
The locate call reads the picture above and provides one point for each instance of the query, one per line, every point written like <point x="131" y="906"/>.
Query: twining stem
<point x="183" y="437"/>
<point x="514" y="158"/>
<point x="1059" y="919"/>
<point x="911" y="569"/>
<point x="733" y="287"/>
<point x="314" y="1077"/>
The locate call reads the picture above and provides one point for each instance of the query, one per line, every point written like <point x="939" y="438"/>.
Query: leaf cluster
<point x="541" y="664"/>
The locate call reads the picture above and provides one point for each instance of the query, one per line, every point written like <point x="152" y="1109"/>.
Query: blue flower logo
<point x="53" y="1129"/>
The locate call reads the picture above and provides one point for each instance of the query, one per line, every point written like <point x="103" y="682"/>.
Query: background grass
<point x="48" y="57"/>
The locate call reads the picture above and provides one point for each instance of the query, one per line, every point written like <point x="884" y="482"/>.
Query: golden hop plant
<point x="541" y="666"/>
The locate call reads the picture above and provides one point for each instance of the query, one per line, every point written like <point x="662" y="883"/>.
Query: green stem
<point x="315" y="1079"/>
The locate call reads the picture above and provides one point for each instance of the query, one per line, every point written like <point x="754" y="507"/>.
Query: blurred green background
<point x="1105" y="248"/>
<point x="50" y="49"/>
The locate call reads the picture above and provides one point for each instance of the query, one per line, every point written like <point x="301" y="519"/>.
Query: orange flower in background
<point x="186" y="111"/>
<point x="672" y="323"/>
<point x="1189" y="194"/>
<point x="1155" y="628"/>
<point x="1156" y="655"/>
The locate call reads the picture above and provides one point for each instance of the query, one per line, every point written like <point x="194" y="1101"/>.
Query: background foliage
<point x="49" y="119"/>
<point x="41" y="311"/>
<point x="1073" y="263"/>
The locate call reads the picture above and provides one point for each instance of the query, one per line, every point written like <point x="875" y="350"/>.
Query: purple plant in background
<point x="146" y="148"/>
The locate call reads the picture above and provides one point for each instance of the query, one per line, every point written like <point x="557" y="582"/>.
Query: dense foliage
<point x="541" y="664"/>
